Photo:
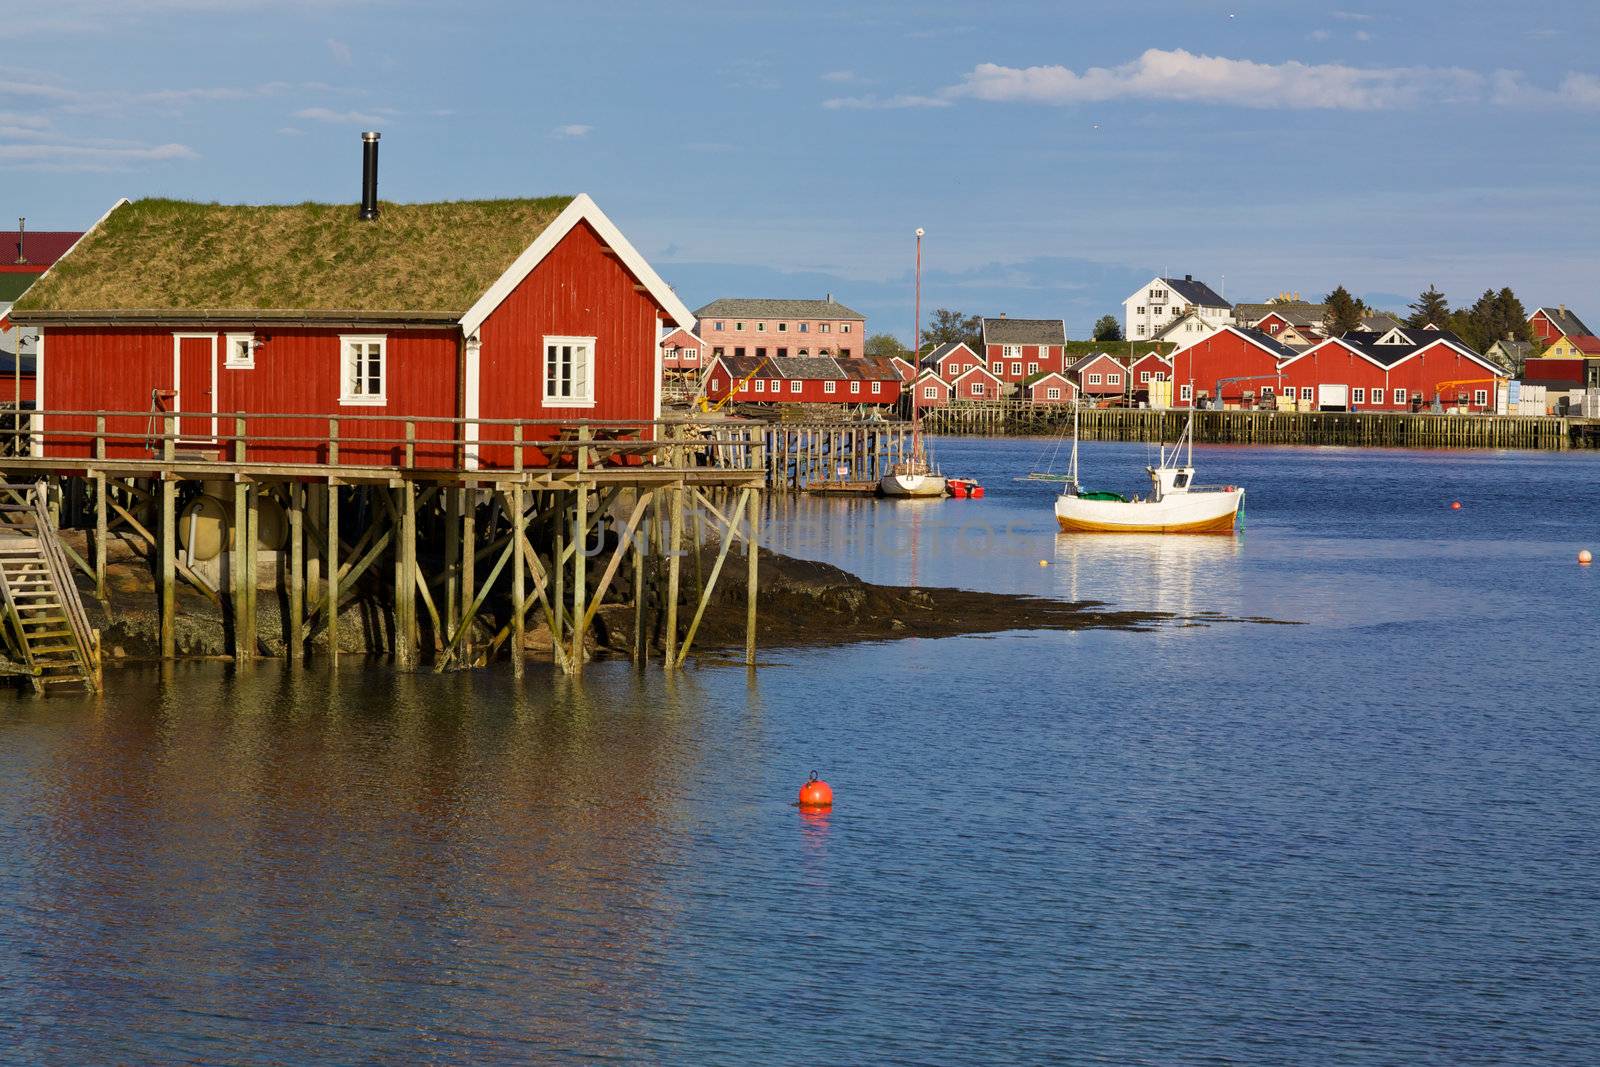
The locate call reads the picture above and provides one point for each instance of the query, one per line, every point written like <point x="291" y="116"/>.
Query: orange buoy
<point x="1584" y="557"/>
<point x="976" y="492"/>
<point x="1455" y="505"/>
<point x="816" y="793"/>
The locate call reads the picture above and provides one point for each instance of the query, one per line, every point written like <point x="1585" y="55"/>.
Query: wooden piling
<point x="331" y="582"/>
<point x="752" y="548"/>
<point x="519" y="565"/>
<point x="295" y="643"/>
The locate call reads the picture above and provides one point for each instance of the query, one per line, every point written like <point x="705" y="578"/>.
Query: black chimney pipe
<point x="22" y="225"/>
<point x="369" y="176"/>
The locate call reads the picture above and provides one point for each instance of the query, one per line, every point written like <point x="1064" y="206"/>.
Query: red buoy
<point x="1455" y="505"/>
<point x="976" y="493"/>
<point x="816" y="793"/>
<point x="958" y="489"/>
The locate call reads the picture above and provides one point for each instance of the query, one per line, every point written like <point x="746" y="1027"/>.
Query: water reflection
<point x="1159" y="572"/>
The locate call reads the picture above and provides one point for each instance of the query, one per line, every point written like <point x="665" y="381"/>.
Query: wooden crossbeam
<point x="711" y="585"/>
<point x="151" y="540"/>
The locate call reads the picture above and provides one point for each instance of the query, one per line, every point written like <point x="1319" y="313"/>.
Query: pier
<point x="456" y="532"/>
<point x="1376" y="429"/>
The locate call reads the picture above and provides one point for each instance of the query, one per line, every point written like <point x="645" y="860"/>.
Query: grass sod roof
<point x="154" y="256"/>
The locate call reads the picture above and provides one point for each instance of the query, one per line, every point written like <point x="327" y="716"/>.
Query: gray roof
<point x="1269" y="342"/>
<point x="932" y="358"/>
<point x="1298" y="312"/>
<point x="1004" y="331"/>
<point x="1197" y="293"/>
<point x="758" y="308"/>
<point x="1390" y="354"/>
<point x="812" y="368"/>
<point x="1565" y="321"/>
<point x="1078" y="366"/>
<point x="1380" y="322"/>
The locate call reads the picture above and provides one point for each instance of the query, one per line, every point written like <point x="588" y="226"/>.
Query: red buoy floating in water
<point x="816" y="793"/>
<point x="1455" y="505"/>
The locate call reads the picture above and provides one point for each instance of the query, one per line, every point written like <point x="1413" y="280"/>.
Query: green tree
<point x="948" y="327"/>
<point x="1494" y="316"/>
<point x="1344" y="311"/>
<point x="1107" y="328"/>
<point x="1431" y="307"/>
<point x="886" y="344"/>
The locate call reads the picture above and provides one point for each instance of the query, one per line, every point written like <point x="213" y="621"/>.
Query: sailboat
<point x="1176" y="504"/>
<point x="915" y="476"/>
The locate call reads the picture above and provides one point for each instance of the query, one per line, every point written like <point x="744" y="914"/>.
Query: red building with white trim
<point x="1018" y="349"/>
<point x="930" y="390"/>
<point x="810" y="380"/>
<point x="681" y="350"/>
<point x="531" y="310"/>
<point x="977" y="383"/>
<point x="1100" y="376"/>
<point x="1230" y="353"/>
<point x="1052" y="388"/>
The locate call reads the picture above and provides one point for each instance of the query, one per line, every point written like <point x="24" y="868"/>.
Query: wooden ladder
<point x="46" y="625"/>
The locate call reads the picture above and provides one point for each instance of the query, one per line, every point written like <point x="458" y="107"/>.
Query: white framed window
<point x="1033" y="368"/>
<point x="716" y="383"/>
<point x="1144" y="377"/>
<point x="1305" y="392"/>
<point x="1266" y="390"/>
<point x="1011" y="351"/>
<point x="1186" y="392"/>
<point x="1399" y="396"/>
<point x="1480" y="396"/>
<point x="830" y="387"/>
<point x="761" y="327"/>
<point x="826" y="327"/>
<point x="1377" y="396"/>
<point x="1094" y="379"/>
<point x="240" y="351"/>
<point x="1113" y="379"/>
<point x="930" y="392"/>
<point x="569" y="372"/>
<point x="844" y="327"/>
<point x="877" y="387"/>
<point x="855" y="387"/>
<point x="738" y="326"/>
<point x="1358" y="395"/>
<point x="761" y="386"/>
<point x="794" y="386"/>
<point x="1053" y="393"/>
<point x="804" y="327"/>
<point x="1139" y="310"/>
<point x="1016" y="368"/>
<point x="977" y="388"/>
<point x="365" y="368"/>
<point x="1141" y="329"/>
<point x="783" y="327"/>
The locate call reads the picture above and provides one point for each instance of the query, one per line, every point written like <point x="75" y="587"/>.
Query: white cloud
<point x="1352" y="16"/>
<point x="841" y="77"/>
<point x="340" y="52"/>
<point x="1319" y="35"/>
<point x="291" y="131"/>
<point x="1576" y="90"/>
<point x="571" y="130"/>
<point x="1183" y="76"/>
<point x="326" y="114"/>
<point x="74" y="156"/>
<point x="1363" y="36"/>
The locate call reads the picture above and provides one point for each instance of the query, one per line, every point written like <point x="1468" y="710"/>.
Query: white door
<point x="1333" y="396"/>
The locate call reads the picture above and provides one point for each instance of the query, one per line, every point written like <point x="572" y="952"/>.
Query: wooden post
<point x="640" y="538"/>
<point x="405" y="581"/>
<point x="519" y="564"/>
<point x="752" y="548"/>
<point x="100" y="536"/>
<point x="331" y="583"/>
<point x="297" y="573"/>
<point x="674" y="561"/>
<point x="169" y="547"/>
<point x="469" y="551"/>
<point x="558" y="564"/>
<point x="252" y="565"/>
<point x="580" y="545"/>
<point x="238" y="532"/>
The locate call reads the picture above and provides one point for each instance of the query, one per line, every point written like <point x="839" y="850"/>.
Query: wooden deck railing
<point x="75" y="438"/>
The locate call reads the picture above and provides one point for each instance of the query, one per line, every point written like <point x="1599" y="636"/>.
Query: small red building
<point x="507" y="309"/>
<point x="1550" y="324"/>
<point x="977" y="383"/>
<point x="803" y="380"/>
<point x="1052" y="388"/>
<point x="1018" y="349"/>
<point x="1100" y="376"/>
<point x="951" y="360"/>
<point x="1150" y="367"/>
<point x="930" y="390"/>
<point x="1402" y="369"/>
<point x="681" y="350"/>
<point x="1230" y="353"/>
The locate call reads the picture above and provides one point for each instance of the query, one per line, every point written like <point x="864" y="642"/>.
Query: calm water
<point x="1367" y="839"/>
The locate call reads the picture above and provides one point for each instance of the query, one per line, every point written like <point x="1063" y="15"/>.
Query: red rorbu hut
<point x="533" y="309"/>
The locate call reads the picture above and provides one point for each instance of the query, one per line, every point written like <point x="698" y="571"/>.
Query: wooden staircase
<point x="46" y="628"/>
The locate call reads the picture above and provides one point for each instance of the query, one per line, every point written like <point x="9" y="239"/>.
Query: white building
<point x="1153" y="307"/>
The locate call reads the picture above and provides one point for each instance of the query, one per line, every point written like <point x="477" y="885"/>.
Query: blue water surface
<point x="1365" y="838"/>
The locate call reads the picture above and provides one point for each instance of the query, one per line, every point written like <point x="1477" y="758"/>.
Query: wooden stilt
<point x="100" y="540"/>
<point x="405" y="583"/>
<point x="674" y="560"/>
<point x="519" y="566"/>
<point x="469" y="551"/>
<point x="236" y="537"/>
<point x="640" y="539"/>
<point x="169" y="576"/>
<point x="580" y="559"/>
<point x="330" y="586"/>
<point x="752" y="548"/>
<point x="252" y="566"/>
<point x="294" y="645"/>
<point x="558" y="564"/>
<point x="452" y="559"/>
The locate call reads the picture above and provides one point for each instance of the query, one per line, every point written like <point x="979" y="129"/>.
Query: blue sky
<point x="1057" y="154"/>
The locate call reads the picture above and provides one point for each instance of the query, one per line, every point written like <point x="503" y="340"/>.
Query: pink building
<point x="781" y="328"/>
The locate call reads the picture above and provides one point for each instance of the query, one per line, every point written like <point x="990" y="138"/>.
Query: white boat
<point x="915" y="476"/>
<point x="1175" y="505"/>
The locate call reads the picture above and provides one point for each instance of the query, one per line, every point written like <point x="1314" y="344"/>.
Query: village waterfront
<point x="1365" y="838"/>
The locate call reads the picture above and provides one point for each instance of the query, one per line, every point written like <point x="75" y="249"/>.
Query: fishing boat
<point x="915" y="475"/>
<point x="1175" y="504"/>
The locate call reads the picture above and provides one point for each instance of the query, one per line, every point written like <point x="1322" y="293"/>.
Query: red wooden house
<point x="1018" y="349"/>
<point x="977" y="383"/>
<point x="1150" y="367"/>
<point x="803" y="380"/>
<point x="903" y="365"/>
<point x="535" y="309"/>
<point x="951" y="360"/>
<point x="1399" y="370"/>
<point x="1230" y="353"/>
<point x="930" y="390"/>
<point x="682" y="350"/>
<point x="1052" y="388"/>
<point x="1551" y="324"/>
<point x="1100" y="376"/>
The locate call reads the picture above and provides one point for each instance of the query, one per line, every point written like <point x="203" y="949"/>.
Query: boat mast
<point x="916" y="356"/>
<point x="1072" y="475"/>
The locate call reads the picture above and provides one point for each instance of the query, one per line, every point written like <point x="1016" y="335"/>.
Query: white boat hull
<point x="1193" y="512"/>
<point x="913" y="485"/>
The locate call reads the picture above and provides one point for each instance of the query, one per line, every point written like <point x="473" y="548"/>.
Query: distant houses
<point x="746" y="327"/>
<point x="1017" y="350"/>
<point x="1154" y="306"/>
